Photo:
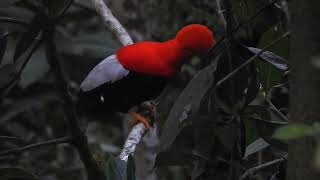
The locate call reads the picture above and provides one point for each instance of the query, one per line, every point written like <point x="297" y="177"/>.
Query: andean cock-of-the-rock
<point x="138" y="72"/>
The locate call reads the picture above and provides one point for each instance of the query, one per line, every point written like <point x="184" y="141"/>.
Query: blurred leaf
<point x="317" y="157"/>
<point x="16" y="174"/>
<point x="6" y="3"/>
<point x="29" y="4"/>
<point x="269" y="75"/>
<point x="131" y="169"/>
<point x="186" y="106"/>
<point x="229" y="135"/>
<point x="262" y="115"/>
<point x="29" y="36"/>
<point x="175" y="156"/>
<point x="55" y="7"/>
<point x="8" y="73"/>
<point x="116" y="169"/>
<point x="3" y="44"/>
<point x="35" y="70"/>
<point x="271" y="58"/>
<point x="279" y="96"/>
<point x="11" y="138"/>
<point x="256" y="146"/>
<point x="295" y="131"/>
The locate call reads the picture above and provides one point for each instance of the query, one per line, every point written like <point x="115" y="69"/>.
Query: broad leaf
<point x="271" y="58"/>
<point x="256" y="146"/>
<point x="295" y="131"/>
<point x="186" y="106"/>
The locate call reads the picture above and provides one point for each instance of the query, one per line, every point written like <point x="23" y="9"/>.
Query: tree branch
<point x="251" y="59"/>
<point x="14" y="21"/>
<point x="132" y="141"/>
<point x="241" y="25"/>
<point x="255" y="169"/>
<point x="119" y="31"/>
<point x="111" y="22"/>
<point x="22" y="149"/>
<point x="79" y="140"/>
<point x="220" y="14"/>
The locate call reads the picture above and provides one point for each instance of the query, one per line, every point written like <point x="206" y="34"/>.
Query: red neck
<point x="163" y="59"/>
<point x="174" y="54"/>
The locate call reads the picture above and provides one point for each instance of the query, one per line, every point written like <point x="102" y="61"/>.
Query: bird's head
<point x="195" y="39"/>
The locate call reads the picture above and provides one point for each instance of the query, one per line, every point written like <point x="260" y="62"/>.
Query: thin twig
<point x="111" y="22"/>
<point x="285" y="8"/>
<point x="79" y="140"/>
<point x="276" y="110"/>
<point x="251" y="59"/>
<point x="132" y="141"/>
<point x="14" y="21"/>
<point x="230" y="40"/>
<point x="22" y="149"/>
<point x="241" y="25"/>
<point x="11" y="138"/>
<point x="64" y="10"/>
<point x="16" y="77"/>
<point x="255" y="169"/>
<point x="220" y="14"/>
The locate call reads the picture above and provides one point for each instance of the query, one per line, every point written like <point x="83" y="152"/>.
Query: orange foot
<point x="139" y="118"/>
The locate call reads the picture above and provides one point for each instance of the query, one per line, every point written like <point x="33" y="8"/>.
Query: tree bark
<point x="305" y="86"/>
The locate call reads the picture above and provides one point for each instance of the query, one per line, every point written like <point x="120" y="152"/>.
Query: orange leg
<point x="139" y="118"/>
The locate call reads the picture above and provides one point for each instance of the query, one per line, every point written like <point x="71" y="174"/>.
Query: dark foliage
<point x="215" y="120"/>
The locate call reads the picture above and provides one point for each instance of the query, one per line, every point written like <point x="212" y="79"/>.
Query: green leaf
<point x="295" y="131"/>
<point x="263" y="122"/>
<point x="186" y="106"/>
<point x="10" y="173"/>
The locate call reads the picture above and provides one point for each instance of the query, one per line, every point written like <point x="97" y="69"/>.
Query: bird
<point x="138" y="72"/>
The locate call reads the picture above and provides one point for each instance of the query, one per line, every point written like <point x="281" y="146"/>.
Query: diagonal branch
<point x="241" y="25"/>
<point x="119" y="31"/>
<point x="111" y="22"/>
<point x="22" y="149"/>
<point x="79" y="140"/>
<point x="230" y="75"/>
<point x="255" y="169"/>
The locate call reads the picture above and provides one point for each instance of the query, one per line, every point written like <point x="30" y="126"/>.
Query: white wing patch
<point x="108" y="70"/>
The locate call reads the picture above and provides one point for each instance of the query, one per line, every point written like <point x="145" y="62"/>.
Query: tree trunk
<point x="305" y="86"/>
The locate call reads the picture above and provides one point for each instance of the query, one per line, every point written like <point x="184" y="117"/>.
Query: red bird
<point x="139" y="72"/>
